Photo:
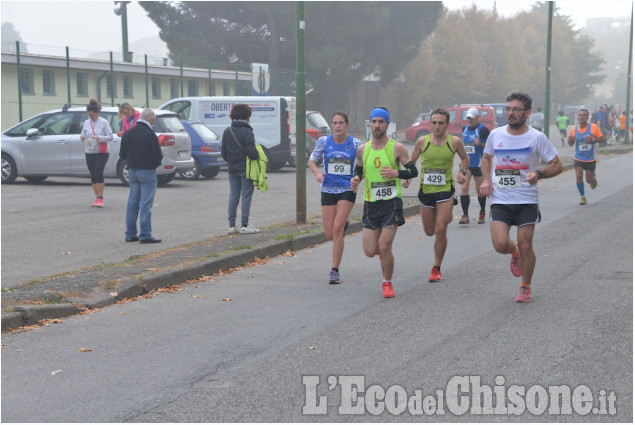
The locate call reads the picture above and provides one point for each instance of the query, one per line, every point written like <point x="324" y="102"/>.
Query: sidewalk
<point x="99" y="286"/>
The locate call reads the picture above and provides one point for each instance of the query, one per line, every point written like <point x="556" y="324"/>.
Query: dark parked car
<point x="205" y="151"/>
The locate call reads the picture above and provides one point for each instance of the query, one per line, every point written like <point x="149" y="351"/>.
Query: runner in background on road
<point x="338" y="199"/>
<point x="378" y="163"/>
<point x="585" y="137"/>
<point x="474" y="137"/>
<point x="436" y="191"/>
<point x="512" y="182"/>
<point x="562" y="122"/>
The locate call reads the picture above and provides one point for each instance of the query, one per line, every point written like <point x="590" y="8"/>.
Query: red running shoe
<point x="524" y="294"/>
<point x="435" y="275"/>
<point x="388" y="291"/>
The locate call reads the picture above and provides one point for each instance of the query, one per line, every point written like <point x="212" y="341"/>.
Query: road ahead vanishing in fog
<point x="289" y="347"/>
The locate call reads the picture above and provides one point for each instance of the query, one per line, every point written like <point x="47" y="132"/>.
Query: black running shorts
<point x="515" y="214"/>
<point x="383" y="213"/>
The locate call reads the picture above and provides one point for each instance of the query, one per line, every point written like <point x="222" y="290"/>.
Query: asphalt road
<point x="189" y="356"/>
<point x="50" y="228"/>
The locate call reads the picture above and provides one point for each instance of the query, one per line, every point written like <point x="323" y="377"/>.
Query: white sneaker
<point x="231" y="230"/>
<point x="248" y="229"/>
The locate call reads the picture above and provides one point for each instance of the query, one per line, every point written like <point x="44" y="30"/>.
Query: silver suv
<point x="48" y="144"/>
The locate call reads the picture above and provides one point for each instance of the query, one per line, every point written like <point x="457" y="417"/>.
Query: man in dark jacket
<point x="237" y="145"/>
<point x="140" y="148"/>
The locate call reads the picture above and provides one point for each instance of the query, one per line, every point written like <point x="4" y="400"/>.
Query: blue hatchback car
<point x="205" y="151"/>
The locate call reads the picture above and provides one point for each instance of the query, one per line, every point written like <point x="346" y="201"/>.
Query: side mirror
<point x="32" y="132"/>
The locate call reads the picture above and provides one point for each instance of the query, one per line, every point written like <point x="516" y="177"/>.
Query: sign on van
<point x="217" y="112"/>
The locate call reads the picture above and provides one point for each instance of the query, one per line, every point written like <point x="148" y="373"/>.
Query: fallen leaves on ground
<point x="312" y="348"/>
<point x="46" y="322"/>
<point x="55" y="372"/>
<point x="197" y="296"/>
<point x="65" y="253"/>
<point x="84" y="350"/>
<point x="225" y="299"/>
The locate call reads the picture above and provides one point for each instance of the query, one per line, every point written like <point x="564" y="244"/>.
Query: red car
<point x="457" y="121"/>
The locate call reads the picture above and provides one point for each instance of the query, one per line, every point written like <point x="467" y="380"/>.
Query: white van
<point x="270" y="118"/>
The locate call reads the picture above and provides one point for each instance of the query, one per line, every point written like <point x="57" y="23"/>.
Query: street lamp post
<point x="121" y="9"/>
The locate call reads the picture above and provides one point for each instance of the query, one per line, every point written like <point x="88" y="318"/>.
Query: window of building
<point x="192" y="88"/>
<point x="26" y="81"/>
<point x="48" y="82"/>
<point x="111" y="86"/>
<point x="156" y="88"/>
<point x="226" y="88"/>
<point x="82" y="83"/>
<point x="174" y="88"/>
<point x="127" y="86"/>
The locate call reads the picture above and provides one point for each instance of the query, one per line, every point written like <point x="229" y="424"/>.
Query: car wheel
<point x="9" y="172"/>
<point x="421" y="134"/>
<point x="122" y="172"/>
<point x="165" y="179"/>
<point x="35" y="179"/>
<point x="210" y="172"/>
<point x="194" y="173"/>
<point x="275" y="166"/>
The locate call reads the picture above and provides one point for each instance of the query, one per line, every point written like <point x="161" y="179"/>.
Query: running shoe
<point x="248" y="229"/>
<point x="334" y="278"/>
<point x="464" y="219"/>
<point x="524" y="294"/>
<point x="388" y="291"/>
<point x="514" y="265"/>
<point x="95" y="203"/>
<point x="435" y="275"/>
<point x="99" y="203"/>
<point x="231" y="230"/>
<point x="582" y="201"/>
<point x="594" y="183"/>
<point x="481" y="218"/>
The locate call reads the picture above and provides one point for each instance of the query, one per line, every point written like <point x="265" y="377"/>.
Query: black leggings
<point x="96" y="163"/>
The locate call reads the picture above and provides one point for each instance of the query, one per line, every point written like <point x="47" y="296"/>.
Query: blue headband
<point x="380" y="113"/>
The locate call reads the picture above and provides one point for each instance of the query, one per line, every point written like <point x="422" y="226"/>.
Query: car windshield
<point x="49" y="124"/>
<point x="168" y="124"/>
<point x="317" y="121"/>
<point x="205" y="133"/>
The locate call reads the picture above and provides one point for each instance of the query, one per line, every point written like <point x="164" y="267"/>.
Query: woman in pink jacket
<point x="129" y="116"/>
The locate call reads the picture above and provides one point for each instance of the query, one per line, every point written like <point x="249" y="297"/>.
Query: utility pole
<point x="122" y="10"/>
<point x="629" y="84"/>
<point x="547" y="121"/>
<point x="300" y="117"/>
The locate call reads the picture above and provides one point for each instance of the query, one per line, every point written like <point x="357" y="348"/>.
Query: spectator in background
<point x="140" y="148"/>
<point x="623" y="127"/>
<point x="96" y="134"/>
<point x="538" y="120"/>
<point x="237" y="145"/>
<point x="602" y="121"/>
<point x="128" y="116"/>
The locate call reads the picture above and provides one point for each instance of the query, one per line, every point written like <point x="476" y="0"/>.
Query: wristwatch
<point x="464" y="171"/>
<point x="539" y="174"/>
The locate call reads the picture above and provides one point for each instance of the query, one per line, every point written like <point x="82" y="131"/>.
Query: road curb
<point x="24" y="315"/>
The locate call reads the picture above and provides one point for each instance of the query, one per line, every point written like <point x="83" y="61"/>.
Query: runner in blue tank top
<point x="338" y="199"/>
<point x="584" y="136"/>
<point x="474" y="138"/>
